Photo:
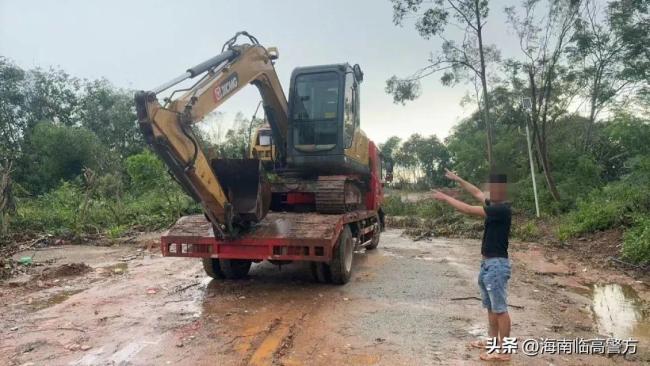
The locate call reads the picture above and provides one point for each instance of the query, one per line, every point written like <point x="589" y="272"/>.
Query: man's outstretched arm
<point x="469" y="187"/>
<point x="459" y="205"/>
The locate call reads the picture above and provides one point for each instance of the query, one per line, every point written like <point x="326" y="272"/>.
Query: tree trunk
<point x="7" y="204"/>
<point x="550" y="181"/>
<point x="486" y="97"/>
<point x="540" y="136"/>
<point x="595" y="89"/>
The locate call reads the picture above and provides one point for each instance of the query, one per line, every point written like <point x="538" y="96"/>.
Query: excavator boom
<point x="231" y="191"/>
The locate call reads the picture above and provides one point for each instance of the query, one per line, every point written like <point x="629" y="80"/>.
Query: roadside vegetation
<point x="607" y="187"/>
<point x="583" y="66"/>
<point x="73" y="164"/>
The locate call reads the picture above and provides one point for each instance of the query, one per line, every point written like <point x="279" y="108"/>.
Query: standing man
<point x="495" y="266"/>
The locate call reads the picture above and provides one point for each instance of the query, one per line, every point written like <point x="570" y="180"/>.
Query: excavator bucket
<point x="246" y="186"/>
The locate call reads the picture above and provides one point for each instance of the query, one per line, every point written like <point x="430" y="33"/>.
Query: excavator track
<point x="337" y="194"/>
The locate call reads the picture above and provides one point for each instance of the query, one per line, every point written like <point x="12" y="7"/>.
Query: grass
<point x="72" y="211"/>
<point x="394" y="206"/>
<point x="624" y="204"/>
<point x="636" y="241"/>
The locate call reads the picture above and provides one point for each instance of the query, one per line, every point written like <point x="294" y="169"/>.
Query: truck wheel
<point x="375" y="237"/>
<point x="234" y="269"/>
<point x="212" y="268"/>
<point x="341" y="264"/>
<point x="320" y="272"/>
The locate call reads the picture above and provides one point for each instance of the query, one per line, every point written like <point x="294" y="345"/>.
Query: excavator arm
<point x="232" y="192"/>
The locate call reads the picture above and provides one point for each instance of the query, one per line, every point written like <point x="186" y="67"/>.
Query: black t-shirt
<point x="497" y="229"/>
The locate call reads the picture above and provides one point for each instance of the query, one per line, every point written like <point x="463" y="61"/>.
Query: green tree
<point x="630" y="21"/>
<point x="389" y="148"/>
<point x="146" y="171"/>
<point x="109" y="113"/>
<point x="421" y="160"/>
<point x="12" y="124"/>
<point x="51" y="95"/>
<point x="12" y="110"/>
<point x="609" y="64"/>
<point x="407" y="161"/>
<point x="235" y="144"/>
<point x="466" y="150"/>
<point x="543" y="39"/>
<point x="465" y="59"/>
<point x="58" y="152"/>
<point x="149" y="176"/>
<point x="433" y="158"/>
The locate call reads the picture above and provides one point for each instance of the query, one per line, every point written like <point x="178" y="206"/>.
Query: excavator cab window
<point x="265" y="138"/>
<point x="315" y="111"/>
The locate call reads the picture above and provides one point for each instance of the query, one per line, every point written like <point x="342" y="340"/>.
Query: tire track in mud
<point x="269" y="346"/>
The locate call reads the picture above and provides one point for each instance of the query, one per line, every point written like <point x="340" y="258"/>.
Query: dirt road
<point x="133" y="307"/>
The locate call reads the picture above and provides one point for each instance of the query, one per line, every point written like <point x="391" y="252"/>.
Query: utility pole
<point x="527" y="105"/>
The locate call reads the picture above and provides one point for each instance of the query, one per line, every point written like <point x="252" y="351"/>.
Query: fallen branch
<point x="466" y="298"/>
<point x="426" y="234"/>
<point x="479" y="299"/>
<point x="178" y="300"/>
<point x="186" y="287"/>
<point x="42" y="329"/>
<point x="614" y="259"/>
<point x="550" y="273"/>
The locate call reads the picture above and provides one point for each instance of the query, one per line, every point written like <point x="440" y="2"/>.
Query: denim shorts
<point x="493" y="282"/>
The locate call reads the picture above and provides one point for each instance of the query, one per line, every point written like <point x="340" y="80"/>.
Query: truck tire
<point x="340" y="268"/>
<point x="320" y="272"/>
<point x="375" y="237"/>
<point x="213" y="268"/>
<point x="234" y="269"/>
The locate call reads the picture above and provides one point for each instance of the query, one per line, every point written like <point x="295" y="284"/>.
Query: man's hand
<point x="471" y="189"/>
<point x="438" y="196"/>
<point x="451" y="175"/>
<point x="458" y="205"/>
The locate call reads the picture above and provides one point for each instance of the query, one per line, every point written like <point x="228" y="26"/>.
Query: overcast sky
<point x="141" y="44"/>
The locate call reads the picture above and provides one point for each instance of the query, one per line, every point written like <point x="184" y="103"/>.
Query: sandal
<point x="480" y="344"/>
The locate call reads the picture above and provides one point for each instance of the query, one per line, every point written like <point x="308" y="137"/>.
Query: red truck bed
<point x="280" y="236"/>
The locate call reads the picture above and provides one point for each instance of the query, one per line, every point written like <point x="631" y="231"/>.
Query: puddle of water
<point x="387" y="253"/>
<point x="618" y="312"/>
<point x="423" y="258"/>
<point x="115" y="269"/>
<point x="53" y="300"/>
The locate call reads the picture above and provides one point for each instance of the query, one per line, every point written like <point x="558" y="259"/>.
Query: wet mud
<point x="409" y="302"/>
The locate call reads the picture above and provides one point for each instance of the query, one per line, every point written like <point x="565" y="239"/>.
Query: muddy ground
<point x="126" y="305"/>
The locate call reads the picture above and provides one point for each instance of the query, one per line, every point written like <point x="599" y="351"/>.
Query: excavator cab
<point x="324" y="133"/>
<point x="262" y="146"/>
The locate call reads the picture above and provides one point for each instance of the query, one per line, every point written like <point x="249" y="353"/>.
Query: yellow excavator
<point x="317" y="158"/>
<point x="262" y="146"/>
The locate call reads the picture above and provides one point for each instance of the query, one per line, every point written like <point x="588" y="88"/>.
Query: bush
<point x="636" y="241"/>
<point x="59" y="153"/>
<point x="523" y="198"/>
<point x="616" y="204"/>
<point x="54" y="212"/>
<point x="74" y="209"/>
<point x="590" y="217"/>
<point x="427" y="208"/>
<point x="147" y="172"/>
<point x="528" y="231"/>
